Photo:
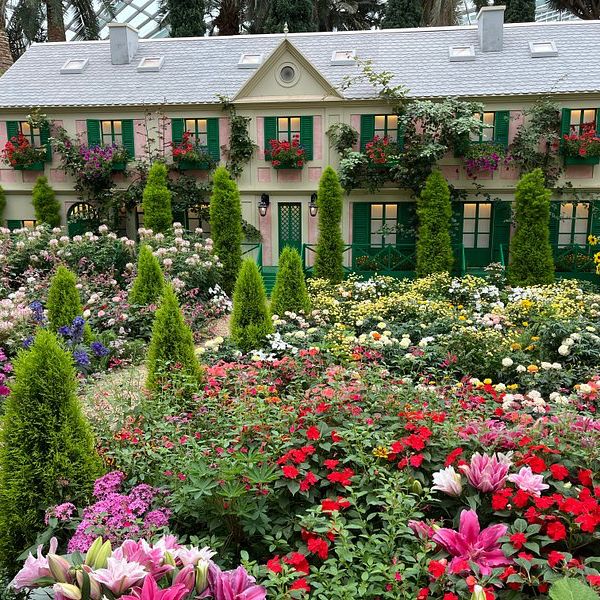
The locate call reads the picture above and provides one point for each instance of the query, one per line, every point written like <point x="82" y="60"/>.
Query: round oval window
<point x="287" y="74"/>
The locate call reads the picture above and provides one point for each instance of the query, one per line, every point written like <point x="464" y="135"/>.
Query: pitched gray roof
<point x="196" y="69"/>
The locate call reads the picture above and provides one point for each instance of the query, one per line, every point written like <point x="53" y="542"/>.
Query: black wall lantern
<point x="263" y="205"/>
<point x="312" y="207"/>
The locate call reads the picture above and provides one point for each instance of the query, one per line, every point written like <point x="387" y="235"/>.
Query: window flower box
<point x="287" y="155"/>
<point x="582" y="160"/>
<point x="189" y="155"/>
<point x="118" y="166"/>
<point x="36" y="166"/>
<point x="583" y="148"/>
<point x="193" y="165"/>
<point x="22" y="156"/>
<point x="485" y="157"/>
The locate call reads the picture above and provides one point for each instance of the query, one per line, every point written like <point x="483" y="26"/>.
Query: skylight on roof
<point x="74" y="65"/>
<point x="461" y="53"/>
<point x="250" y="61"/>
<point x="151" y="63"/>
<point x="343" y="57"/>
<point x="540" y="49"/>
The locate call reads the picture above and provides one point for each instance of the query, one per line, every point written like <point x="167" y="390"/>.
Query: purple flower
<point x="232" y="585"/>
<point x="487" y="473"/>
<point x="81" y="358"/>
<point x="99" y="349"/>
<point x="108" y="484"/>
<point x="528" y="482"/>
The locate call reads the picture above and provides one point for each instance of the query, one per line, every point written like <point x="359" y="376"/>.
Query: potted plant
<point x="583" y="148"/>
<point x="20" y="154"/>
<point x="189" y="154"/>
<point x="486" y="157"/>
<point x="382" y="153"/>
<point x="287" y="155"/>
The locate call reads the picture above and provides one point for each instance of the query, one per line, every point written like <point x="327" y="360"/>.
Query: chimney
<point x="490" y="24"/>
<point x="123" y="43"/>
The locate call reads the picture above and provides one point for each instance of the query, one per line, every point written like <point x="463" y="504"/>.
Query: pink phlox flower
<point x="487" y="473"/>
<point x="35" y="568"/>
<point x="527" y="481"/>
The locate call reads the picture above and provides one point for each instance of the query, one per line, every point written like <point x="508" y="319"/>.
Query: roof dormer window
<point x="74" y="65"/>
<point x="151" y="63"/>
<point x="461" y="53"/>
<point x="343" y="57"/>
<point x="250" y="61"/>
<point x="541" y="49"/>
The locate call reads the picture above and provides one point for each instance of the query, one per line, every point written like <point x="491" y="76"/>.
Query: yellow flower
<point x="525" y="324"/>
<point x="487" y="381"/>
<point x="533" y="368"/>
<point x="515" y="346"/>
<point x="512" y="386"/>
<point x="535" y="338"/>
<point x="381" y="452"/>
<point x="462" y="318"/>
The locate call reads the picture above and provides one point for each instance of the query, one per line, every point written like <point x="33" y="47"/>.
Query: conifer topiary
<point x="434" y="242"/>
<point x="289" y="292"/>
<point x="156" y="200"/>
<point x="64" y="302"/>
<point x="149" y="280"/>
<point x="47" y="453"/>
<point x="531" y="260"/>
<point x="45" y="204"/>
<point x="330" y="244"/>
<point x="172" y="343"/>
<point x="250" y="319"/>
<point x="226" y="226"/>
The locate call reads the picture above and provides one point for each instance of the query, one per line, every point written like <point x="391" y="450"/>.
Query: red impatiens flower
<point x="331" y="463"/>
<point x="518" y="540"/>
<point x="300" y="584"/>
<point x="298" y="561"/>
<point x="452" y="456"/>
<point x="559" y="472"/>
<point x="556" y="531"/>
<point x="328" y="505"/>
<point x="437" y="568"/>
<point x="290" y="471"/>
<point x="319" y="547"/>
<point x="274" y="564"/>
<point x="342" y="477"/>
<point x="585" y="477"/>
<point x="555" y="557"/>
<point x="308" y="482"/>
<point x="313" y="433"/>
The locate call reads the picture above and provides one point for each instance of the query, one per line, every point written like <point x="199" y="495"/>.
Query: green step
<point x="269" y="275"/>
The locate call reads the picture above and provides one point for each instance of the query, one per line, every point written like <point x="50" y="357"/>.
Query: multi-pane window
<point x="476" y="224"/>
<point x="574" y="224"/>
<point x="487" y="132"/>
<point x="198" y="129"/>
<point x="384" y="223"/>
<point x="581" y="120"/>
<point x="111" y="132"/>
<point x="31" y="133"/>
<point x="387" y="126"/>
<point x="288" y="128"/>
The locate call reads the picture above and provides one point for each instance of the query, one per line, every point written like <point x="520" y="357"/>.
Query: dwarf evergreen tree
<point x="156" y="200"/>
<point x="402" y="13"/>
<point x="519" y="11"/>
<point x="289" y="292"/>
<point x="172" y="343"/>
<point x="45" y="204"/>
<point x="149" y="281"/>
<point x="47" y="453"/>
<point x="531" y="260"/>
<point x="434" y="212"/>
<point x="64" y="302"/>
<point x="226" y="226"/>
<point x="250" y="319"/>
<point x="185" y="17"/>
<point x="330" y="244"/>
<point x="298" y="14"/>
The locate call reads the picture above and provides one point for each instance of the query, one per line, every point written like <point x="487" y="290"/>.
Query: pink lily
<point x="34" y="568"/>
<point x="151" y="591"/>
<point x="150" y="557"/>
<point x="232" y="585"/>
<point x="119" y="575"/>
<point x="487" y="473"/>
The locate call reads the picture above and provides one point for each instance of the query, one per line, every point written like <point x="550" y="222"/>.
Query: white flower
<point x="563" y="350"/>
<point x="448" y="481"/>
<point x="584" y="388"/>
<point x="507" y="362"/>
<point x="546" y="365"/>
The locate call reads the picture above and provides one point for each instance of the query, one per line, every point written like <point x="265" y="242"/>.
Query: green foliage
<point x="343" y="136"/>
<point x="298" y="14"/>
<point x="519" y="11"/>
<point x="47" y="207"/>
<point x="2" y="204"/>
<point x="47" y="452"/>
<point x="531" y="261"/>
<point x="569" y="588"/>
<point x="241" y="147"/>
<point x="157" y="200"/>
<point x="250" y="320"/>
<point x="289" y="292"/>
<point x="149" y="281"/>
<point x="64" y="303"/>
<point x="403" y="13"/>
<point x="186" y="17"/>
<point x="172" y="344"/>
<point x="330" y="244"/>
<point x="434" y="244"/>
<point x="226" y="225"/>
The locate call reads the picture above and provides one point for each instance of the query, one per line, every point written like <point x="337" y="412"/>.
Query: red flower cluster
<point x="585" y="144"/>
<point x="287" y="155"/>
<point x="379" y="150"/>
<point x="18" y="151"/>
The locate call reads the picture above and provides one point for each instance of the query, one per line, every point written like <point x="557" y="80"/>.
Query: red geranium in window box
<point x="189" y="154"/>
<point x="287" y="155"/>
<point x="382" y="152"/>
<point x="20" y="154"/>
<point x="582" y="148"/>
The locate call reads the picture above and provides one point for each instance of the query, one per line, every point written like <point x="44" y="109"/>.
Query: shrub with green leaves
<point x="531" y="260"/>
<point x="226" y="225"/>
<point x="250" y="320"/>
<point x="149" y="280"/>
<point x="156" y="200"/>
<point x="45" y="204"/>
<point x="172" y="344"/>
<point x="434" y="212"/>
<point x="289" y="292"/>
<point x="47" y="453"/>
<point x="64" y="302"/>
<point x="330" y="244"/>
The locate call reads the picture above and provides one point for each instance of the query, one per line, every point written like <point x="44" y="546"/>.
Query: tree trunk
<point x="5" y="55"/>
<point x="56" y="24"/>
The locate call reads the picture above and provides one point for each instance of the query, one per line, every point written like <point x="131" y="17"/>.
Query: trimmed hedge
<point x="156" y="200"/>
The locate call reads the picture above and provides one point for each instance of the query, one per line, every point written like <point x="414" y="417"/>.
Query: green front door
<point x="476" y="233"/>
<point x="81" y="218"/>
<point x="290" y="226"/>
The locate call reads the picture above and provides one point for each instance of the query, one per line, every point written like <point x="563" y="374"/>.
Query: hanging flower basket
<point x="485" y="157"/>
<point x="189" y="155"/>
<point x="582" y="149"/>
<point x="287" y="155"/>
<point x="382" y="154"/>
<point x="22" y="156"/>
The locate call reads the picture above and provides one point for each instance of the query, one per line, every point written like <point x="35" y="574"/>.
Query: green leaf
<point x="572" y="589"/>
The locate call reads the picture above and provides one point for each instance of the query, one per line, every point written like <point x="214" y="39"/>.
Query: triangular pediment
<point x="286" y="73"/>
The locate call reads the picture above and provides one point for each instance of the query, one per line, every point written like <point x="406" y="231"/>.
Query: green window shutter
<point x="361" y="223"/>
<point x="367" y="130"/>
<point x="270" y="126"/>
<point x="212" y="135"/>
<point x="501" y="125"/>
<point x="554" y="219"/>
<point x="565" y="124"/>
<point x="177" y="128"/>
<point x="12" y="129"/>
<point x="93" y="132"/>
<point x="502" y="215"/>
<point x="597" y="121"/>
<point x="306" y="136"/>
<point x="44" y="136"/>
<point x="458" y="210"/>
<point x="400" y="135"/>
<point x="128" y="137"/>
<point x="595" y="218"/>
<point x="14" y="224"/>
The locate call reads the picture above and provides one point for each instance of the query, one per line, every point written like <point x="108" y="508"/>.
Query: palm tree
<point x="588" y="10"/>
<point x="440" y="13"/>
<point x="5" y="55"/>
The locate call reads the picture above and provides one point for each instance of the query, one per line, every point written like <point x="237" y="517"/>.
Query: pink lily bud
<point x="59" y="567"/>
<point x="67" y="590"/>
<point x="187" y="577"/>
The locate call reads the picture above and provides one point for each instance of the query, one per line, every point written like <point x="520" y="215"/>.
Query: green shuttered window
<point x="106" y="132"/>
<point x="204" y="131"/>
<point x="495" y="128"/>
<point x="285" y="129"/>
<point x="381" y="126"/>
<point x="37" y="137"/>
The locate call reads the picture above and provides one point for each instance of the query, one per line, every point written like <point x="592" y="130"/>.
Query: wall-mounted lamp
<point x="263" y="205"/>
<point x="312" y="207"/>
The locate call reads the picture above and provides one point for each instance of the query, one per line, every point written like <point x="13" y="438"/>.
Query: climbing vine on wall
<point x="241" y="147"/>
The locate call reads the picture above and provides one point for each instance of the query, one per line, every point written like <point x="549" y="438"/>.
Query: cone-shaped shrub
<point x="156" y="200"/>
<point x="531" y="260"/>
<point x="149" y="280"/>
<point x="47" y="453"/>
<point x="434" y="242"/>
<point x="226" y="225"/>
<point x="289" y="292"/>
<point x="330" y="244"/>
<point x="250" y="320"/>
<point x="64" y="302"/>
<point x="172" y="343"/>
<point x="45" y="204"/>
